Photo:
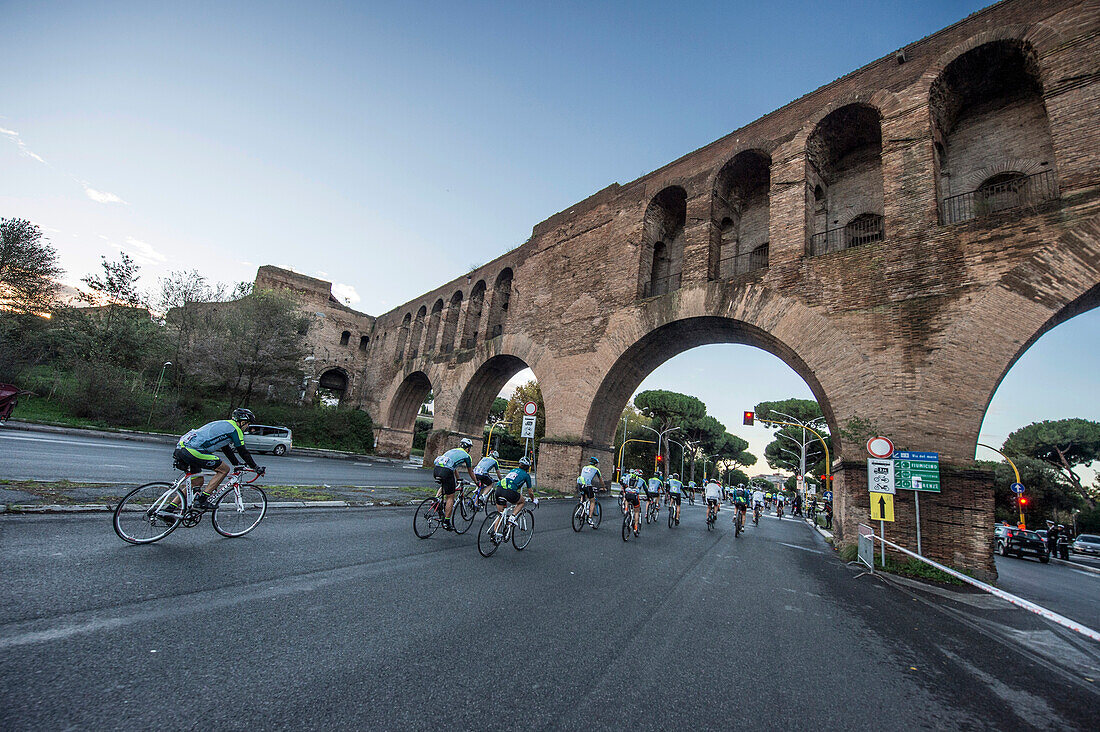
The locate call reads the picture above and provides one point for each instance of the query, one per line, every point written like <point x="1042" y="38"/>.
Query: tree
<point x="1050" y="496"/>
<point x="732" y="454"/>
<point x="1063" y="444"/>
<point x="28" y="268"/>
<point x="179" y="293"/>
<point x="496" y="412"/>
<point x="513" y="412"/>
<point x="707" y="433"/>
<point x="252" y="341"/>
<point x="668" y="409"/>
<point x="634" y="454"/>
<point x="786" y="450"/>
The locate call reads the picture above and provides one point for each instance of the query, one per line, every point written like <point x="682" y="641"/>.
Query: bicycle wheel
<point x="235" y="514"/>
<point x="578" y="517"/>
<point x="628" y="528"/>
<point x="671" y="517"/>
<point x="524" y="529"/>
<point x="426" y="520"/>
<point x="462" y="516"/>
<point x="597" y="516"/>
<point x="148" y="513"/>
<point x="736" y="523"/>
<point x="485" y="543"/>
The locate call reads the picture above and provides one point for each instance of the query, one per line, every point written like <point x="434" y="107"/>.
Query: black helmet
<point x="241" y="414"/>
<point x="594" y="460"/>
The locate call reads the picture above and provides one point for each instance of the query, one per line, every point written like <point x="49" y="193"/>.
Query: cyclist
<point x="757" y="504"/>
<point x="445" y="467"/>
<point x="632" y="496"/>
<point x="588" y="474"/>
<point x="653" y="492"/>
<point x="485" y="481"/>
<point x="195" y="450"/>
<point x="508" y="492"/>
<point x="691" y="492"/>
<point x="675" y="492"/>
<point x="741" y="503"/>
<point x="713" y="493"/>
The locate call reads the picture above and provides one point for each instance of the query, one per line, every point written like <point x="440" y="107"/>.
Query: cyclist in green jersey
<point x="590" y="474"/>
<point x="508" y="492"/>
<point x="446" y="466"/>
<point x="195" y="452"/>
<point x="675" y="493"/>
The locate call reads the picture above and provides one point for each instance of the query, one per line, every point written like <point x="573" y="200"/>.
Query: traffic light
<point x="660" y="459"/>
<point x="1023" y="500"/>
<point x="748" y="419"/>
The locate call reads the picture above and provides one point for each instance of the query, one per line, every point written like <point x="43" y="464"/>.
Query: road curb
<point x="827" y="535"/>
<point x="1075" y="565"/>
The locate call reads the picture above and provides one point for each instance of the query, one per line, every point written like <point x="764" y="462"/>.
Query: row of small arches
<point x="421" y="334"/>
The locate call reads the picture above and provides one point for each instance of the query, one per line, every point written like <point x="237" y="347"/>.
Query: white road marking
<point x="73" y="442"/>
<point x="805" y="549"/>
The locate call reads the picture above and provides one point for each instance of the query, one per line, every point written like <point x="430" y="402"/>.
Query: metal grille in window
<point x="744" y="262"/>
<point x="661" y="285"/>
<point x="1002" y="192"/>
<point x="863" y="229"/>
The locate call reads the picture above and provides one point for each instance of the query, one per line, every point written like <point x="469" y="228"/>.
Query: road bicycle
<point x="651" y="511"/>
<point x="628" y="524"/>
<point x="430" y="513"/>
<point x="738" y="522"/>
<point x="712" y="518"/>
<point x="581" y="514"/>
<point x="153" y="511"/>
<point x="671" y="517"/>
<point x="492" y="534"/>
<point x="756" y="515"/>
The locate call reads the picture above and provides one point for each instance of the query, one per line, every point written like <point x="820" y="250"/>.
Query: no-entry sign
<point x="880" y="447"/>
<point x="529" y="409"/>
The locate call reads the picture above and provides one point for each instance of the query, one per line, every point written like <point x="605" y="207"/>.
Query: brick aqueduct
<point x="898" y="237"/>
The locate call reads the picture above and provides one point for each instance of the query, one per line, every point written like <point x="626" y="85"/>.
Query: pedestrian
<point x="828" y="514"/>
<point x="1052" y="538"/>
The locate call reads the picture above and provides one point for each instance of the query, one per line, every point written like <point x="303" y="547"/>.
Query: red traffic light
<point x="660" y="459"/>
<point x="748" y="418"/>
<point x="1023" y="500"/>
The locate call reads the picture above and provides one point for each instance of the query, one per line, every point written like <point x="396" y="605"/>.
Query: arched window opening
<point x="345" y="337"/>
<point x="433" y="326"/>
<point x="473" y="315"/>
<point x="417" y="331"/>
<point x="992" y="133"/>
<point x="402" y="337"/>
<point x="863" y="229"/>
<point x="741" y="209"/>
<point x="502" y="297"/>
<point x="364" y="341"/>
<point x="450" y="325"/>
<point x="663" y="229"/>
<point x="331" y="387"/>
<point x="844" y="155"/>
<point x="303" y="327"/>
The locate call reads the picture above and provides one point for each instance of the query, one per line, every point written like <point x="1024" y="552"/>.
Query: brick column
<point x="440" y="441"/>
<point x="956" y="524"/>
<point x="392" y="442"/>
<point x="560" y="462"/>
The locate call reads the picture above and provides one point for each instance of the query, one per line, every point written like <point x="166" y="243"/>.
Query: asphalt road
<point x="43" y="456"/>
<point x="327" y="619"/>
<point x="1065" y="590"/>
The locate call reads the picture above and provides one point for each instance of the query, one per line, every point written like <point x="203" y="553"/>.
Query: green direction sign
<point x="917" y="471"/>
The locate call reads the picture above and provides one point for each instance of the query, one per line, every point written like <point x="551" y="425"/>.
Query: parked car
<point x="262" y="438"/>
<point x="1086" y="544"/>
<point x="1010" y="540"/>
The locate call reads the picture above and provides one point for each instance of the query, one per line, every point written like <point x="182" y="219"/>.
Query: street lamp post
<point x="682" y="448"/>
<point x="489" y="442"/>
<point x="660" y="439"/>
<point x="156" y="392"/>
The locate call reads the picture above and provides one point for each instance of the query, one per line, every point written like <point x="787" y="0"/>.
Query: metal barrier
<point x="861" y="230"/>
<point x="1018" y="192"/>
<point x="867" y="531"/>
<point x="661" y="285"/>
<point x="744" y="262"/>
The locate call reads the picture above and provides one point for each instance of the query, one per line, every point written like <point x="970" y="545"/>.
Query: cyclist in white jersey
<point x="589" y="474"/>
<point x="486" y="482"/>
<point x="713" y="494"/>
<point x="675" y="495"/>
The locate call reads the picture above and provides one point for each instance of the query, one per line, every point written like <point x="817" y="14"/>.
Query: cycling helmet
<point x="494" y="455"/>
<point x="525" y="462"/>
<point x="594" y="460"/>
<point x="465" y="443"/>
<point x="675" y="475"/>
<point x="240" y="414"/>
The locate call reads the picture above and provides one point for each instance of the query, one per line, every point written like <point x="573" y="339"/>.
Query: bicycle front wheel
<point x="239" y="510"/>
<point x="486" y="543"/>
<point x="148" y="513"/>
<point x="523" y="529"/>
<point x="462" y="517"/>
<point x="426" y="519"/>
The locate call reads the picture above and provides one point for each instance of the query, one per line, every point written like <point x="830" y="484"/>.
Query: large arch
<point x="406" y="402"/>
<point x="479" y="392"/>
<point x="671" y="339"/>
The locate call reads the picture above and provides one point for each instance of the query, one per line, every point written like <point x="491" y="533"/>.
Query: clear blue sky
<point x="390" y="146"/>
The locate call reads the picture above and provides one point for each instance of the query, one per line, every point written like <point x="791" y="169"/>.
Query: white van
<point x="262" y="438"/>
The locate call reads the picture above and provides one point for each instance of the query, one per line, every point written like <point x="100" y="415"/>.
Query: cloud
<point x="141" y="251"/>
<point x="346" y="293"/>
<point x="102" y="196"/>
<point x="23" y="149"/>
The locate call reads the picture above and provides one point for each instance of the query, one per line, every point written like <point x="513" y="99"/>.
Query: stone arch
<point x="502" y="297"/>
<point x="473" y="315"/>
<point x="433" y="326"/>
<point x="670" y="339"/>
<point x="477" y="396"/>
<point x="988" y="116"/>
<point x="406" y="401"/>
<point x="403" y="337"/>
<point x="335" y="380"/>
<point x="450" y="324"/>
<point x="740" y="214"/>
<point x="663" y="224"/>
<point x="844" y="161"/>
<point x="417" y="331"/>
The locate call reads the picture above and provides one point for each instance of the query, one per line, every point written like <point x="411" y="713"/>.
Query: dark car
<point x="1011" y="540"/>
